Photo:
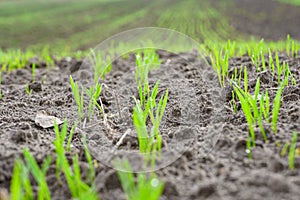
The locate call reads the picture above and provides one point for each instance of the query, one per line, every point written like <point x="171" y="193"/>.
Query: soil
<point x="210" y="163"/>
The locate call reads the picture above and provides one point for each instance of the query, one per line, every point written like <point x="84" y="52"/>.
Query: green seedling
<point x="265" y="106"/>
<point x="21" y="186"/>
<point x="233" y="102"/>
<point x="33" y="72"/>
<point x="92" y="173"/>
<point x="288" y="45"/>
<point x="0" y="84"/>
<point x="16" y="184"/>
<point x="148" y="142"/>
<point x="70" y="137"/>
<point x="234" y="75"/>
<point x="280" y="70"/>
<point x="144" y="64"/>
<point x="289" y="74"/>
<point x="263" y="63"/>
<point x="237" y="76"/>
<point x="245" y="79"/>
<point x="277" y="62"/>
<point x="39" y="174"/>
<point x="284" y="149"/>
<point x="27" y="89"/>
<point x="293" y="151"/>
<point x="254" y="114"/>
<point x="141" y="187"/>
<point x="256" y="54"/>
<point x="156" y="119"/>
<point x="220" y="63"/>
<point x="101" y="68"/>
<point x="271" y="62"/>
<point x="47" y="57"/>
<point x="78" y="98"/>
<point x="93" y="93"/>
<point x="276" y="105"/>
<point x="139" y="121"/>
<point x="78" y="188"/>
<point x="251" y="110"/>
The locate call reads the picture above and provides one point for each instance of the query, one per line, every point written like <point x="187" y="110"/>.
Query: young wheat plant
<point x="78" y="98"/>
<point x="141" y="187"/>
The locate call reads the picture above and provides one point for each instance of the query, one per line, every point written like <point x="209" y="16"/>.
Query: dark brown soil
<point x="268" y="19"/>
<point x="201" y="172"/>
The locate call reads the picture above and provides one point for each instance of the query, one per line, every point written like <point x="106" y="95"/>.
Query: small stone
<point x="170" y="189"/>
<point x="278" y="183"/>
<point x="35" y="86"/>
<point x="75" y="66"/>
<point x="276" y="166"/>
<point x="204" y="190"/>
<point x="19" y="136"/>
<point x="44" y="120"/>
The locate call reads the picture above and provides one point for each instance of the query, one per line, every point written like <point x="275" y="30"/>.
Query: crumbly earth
<point x="211" y="163"/>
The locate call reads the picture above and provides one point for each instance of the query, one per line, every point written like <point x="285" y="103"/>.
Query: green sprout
<point x="47" y="57"/>
<point x="27" y="89"/>
<point x="220" y="63"/>
<point x="288" y="44"/>
<point x="20" y="184"/>
<point x="33" y="72"/>
<point x="78" y="98"/>
<point x="100" y="68"/>
<point x="254" y="114"/>
<point x="265" y="105"/>
<point x="0" y="85"/>
<point x="39" y="174"/>
<point x="94" y="93"/>
<point x="78" y="188"/>
<point x="71" y="136"/>
<point x="276" y="105"/>
<point x="144" y="63"/>
<point x="277" y="62"/>
<point x="250" y="109"/>
<point x="245" y="79"/>
<point x="293" y="151"/>
<point x="140" y="187"/>
<point x="153" y="140"/>
<point x="263" y="61"/>
<point x="284" y="149"/>
<point x="233" y="102"/>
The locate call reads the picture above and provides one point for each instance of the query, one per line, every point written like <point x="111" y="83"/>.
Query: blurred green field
<point x="74" y="25"/>
<point x="293" y="2"/>
<point x="71" y="25"/>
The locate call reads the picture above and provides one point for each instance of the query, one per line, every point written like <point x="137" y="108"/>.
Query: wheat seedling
<point x="148" y="142"/>
<point x="276" y="104"/>
<point x="100" y="68"/>
<point x="144" y="64"/>
<point x="93" y="93"/>
<point x="78" y="98"/>
<point x="27" y="89"/>
<point x="293" y="151"/>
<point x="0" y="85"/>
<point x="33" y="72"/>
<point x="78" y="188"/>
<point x="140" y="187"/>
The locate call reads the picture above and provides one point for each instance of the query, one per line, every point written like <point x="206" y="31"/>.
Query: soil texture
<point x="210" y="163"/>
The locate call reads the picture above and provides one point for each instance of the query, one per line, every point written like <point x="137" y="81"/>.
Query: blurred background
<point x="71" y="25"/>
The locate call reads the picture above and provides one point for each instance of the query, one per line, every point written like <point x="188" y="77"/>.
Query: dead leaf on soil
<point x="45" y="120"/>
